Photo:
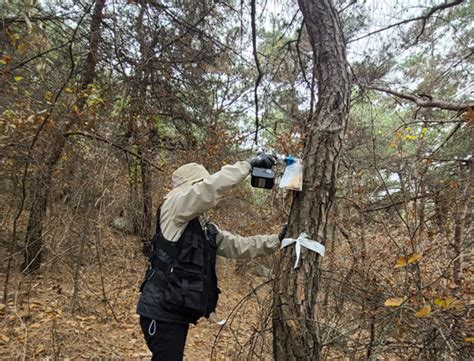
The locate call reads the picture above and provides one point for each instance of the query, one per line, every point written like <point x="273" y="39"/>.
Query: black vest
<point x="180" y="284"/>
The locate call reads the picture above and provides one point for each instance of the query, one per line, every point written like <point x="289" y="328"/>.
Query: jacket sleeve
<point x="234" y="246"/>
<point x="182" y="207"/>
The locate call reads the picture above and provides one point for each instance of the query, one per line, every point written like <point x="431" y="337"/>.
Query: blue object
<point x="290" y="160"/>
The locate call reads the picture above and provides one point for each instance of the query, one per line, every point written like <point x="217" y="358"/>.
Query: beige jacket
<point x="181" y="207"/>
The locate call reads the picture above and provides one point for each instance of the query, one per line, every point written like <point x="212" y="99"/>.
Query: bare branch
<point x="105" y="140"/>
<point x="424" y="18"/>
<point x="427" y="101"/>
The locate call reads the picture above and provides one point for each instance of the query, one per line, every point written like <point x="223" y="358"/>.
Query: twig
<point x="257" y="64"/>
<point x="406" y="21"/>
<point x="39" y="55"/>
<point x="234" y="311"/>
<point x="456" y="128"/>
<point x="105" y="140"/>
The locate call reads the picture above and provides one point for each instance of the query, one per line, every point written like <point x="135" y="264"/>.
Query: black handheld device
<point x="263" y="178"/>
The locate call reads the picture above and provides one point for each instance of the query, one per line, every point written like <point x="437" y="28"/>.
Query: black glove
<point x="263" y="161"/>
<point x="283" y="232"/>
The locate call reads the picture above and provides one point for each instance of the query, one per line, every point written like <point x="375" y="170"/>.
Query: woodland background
<point x="102" y="100"/>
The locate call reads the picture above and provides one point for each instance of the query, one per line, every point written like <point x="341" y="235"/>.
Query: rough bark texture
<point x="296" y="335"/>
<point x="34" y="232"/>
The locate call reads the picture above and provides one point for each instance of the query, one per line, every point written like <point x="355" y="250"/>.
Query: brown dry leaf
<point x="5" y="338"/>
<point x="22" y="48"/>
<point x="424" y="311"/>
<point x="2" y="307"/>
<point x="5" y="59"/>
<point x="468" y="116"/>
<point x="394" y="302"/>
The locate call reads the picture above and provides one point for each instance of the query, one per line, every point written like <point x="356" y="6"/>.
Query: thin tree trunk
<point x="295" y="328"/>
<point x="141" y="135"/>
<point x="147" y="200"/>
<point x="459" y="223"/>
<point x="34" y="232"/>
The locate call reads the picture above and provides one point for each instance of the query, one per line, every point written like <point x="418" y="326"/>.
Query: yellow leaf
<point x="394" y="302"/>
<point x="414" y="258"/>
<point x="18" y="78"/>
<point x="424" y="311"/>
<point x="68" y="90"/>
<point x="401" y="262"/>
<point x="22" y="48"/>
<point x="469" y="339"/>
<point x="404" y="261"/>
<point x="48" y="96"/>
<point x="444" y="302"/>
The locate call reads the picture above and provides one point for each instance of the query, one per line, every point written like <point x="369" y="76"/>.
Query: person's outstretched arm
<point x="234" y="246"/>
<point x="182" y="207"/>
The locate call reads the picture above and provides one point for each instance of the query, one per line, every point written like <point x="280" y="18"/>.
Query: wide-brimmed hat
<point x="185" y="176"/>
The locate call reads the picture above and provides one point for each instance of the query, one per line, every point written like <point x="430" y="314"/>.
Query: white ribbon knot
<point x="303" y="240"/>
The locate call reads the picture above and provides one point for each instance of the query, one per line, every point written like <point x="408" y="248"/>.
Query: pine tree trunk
<point x="34" y="231"/>
<point x="295" y="326"/>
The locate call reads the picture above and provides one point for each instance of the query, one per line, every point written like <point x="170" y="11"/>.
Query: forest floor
<point x="38" y="322"/>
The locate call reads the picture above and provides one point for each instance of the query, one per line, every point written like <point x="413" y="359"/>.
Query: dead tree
<point x="295" y="324"/>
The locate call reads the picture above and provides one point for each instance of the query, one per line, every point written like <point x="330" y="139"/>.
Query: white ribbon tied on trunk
<point x="303" y="241"/>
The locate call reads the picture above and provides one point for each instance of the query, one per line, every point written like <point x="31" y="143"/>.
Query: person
<point x="180" y="284"/>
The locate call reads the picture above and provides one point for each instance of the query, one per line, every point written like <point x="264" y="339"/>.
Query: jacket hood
<point x="185" y="176"/>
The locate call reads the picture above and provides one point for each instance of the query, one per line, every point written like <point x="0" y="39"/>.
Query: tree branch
<point x="427" y="102"/>
<point x="424" y="18"/>
<point x="257" y="64"/>
<point x="105" y="140"/>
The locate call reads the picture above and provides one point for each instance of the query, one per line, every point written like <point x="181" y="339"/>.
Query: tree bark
<point x="34" y="231"/>
<point x="295" y="326"/>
